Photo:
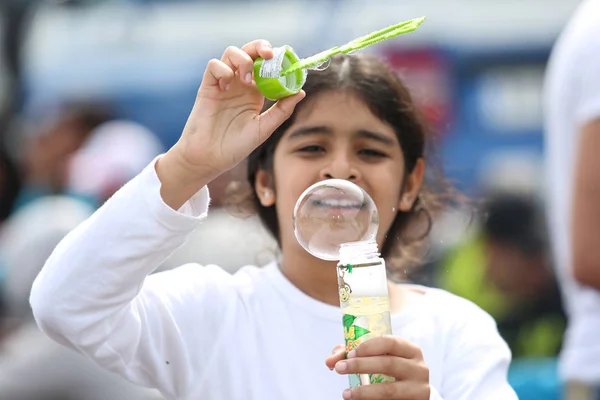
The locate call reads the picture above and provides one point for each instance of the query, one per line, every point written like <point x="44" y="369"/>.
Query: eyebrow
<point x="324" y="130"/>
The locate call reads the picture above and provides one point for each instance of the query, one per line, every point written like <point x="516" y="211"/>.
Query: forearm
<point x="98" y="269"/>
<point x="585" y="233"/>
<point x="179" y="180"/>
<point x="586" y="255"/>
<point x="585" y="209"/>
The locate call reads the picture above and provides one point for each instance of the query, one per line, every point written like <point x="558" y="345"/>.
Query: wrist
<point x="179" y="181"/>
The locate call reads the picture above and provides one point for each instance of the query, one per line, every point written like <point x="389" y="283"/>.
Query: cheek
<point x="386" y="194"/>
<point x="387" y="213"/>
<point x="285" y="203"/>
<point x="287" y="193"/>
<point x="287" y="190"/>
<point x="291" y="179"/>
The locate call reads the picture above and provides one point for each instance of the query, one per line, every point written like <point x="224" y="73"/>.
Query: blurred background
<point x="92" y="90"/>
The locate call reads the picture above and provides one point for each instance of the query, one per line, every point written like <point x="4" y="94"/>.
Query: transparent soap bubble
<point x="333" y="212"/>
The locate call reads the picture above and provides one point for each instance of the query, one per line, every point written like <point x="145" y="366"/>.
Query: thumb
<point x="278" y="113"/>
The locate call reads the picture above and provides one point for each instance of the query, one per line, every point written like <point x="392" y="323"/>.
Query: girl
<point x="267" y="333"/>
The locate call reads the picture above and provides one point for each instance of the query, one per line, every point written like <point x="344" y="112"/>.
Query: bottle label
<point x="364" y="317"/>
<point x="359" y="328"/>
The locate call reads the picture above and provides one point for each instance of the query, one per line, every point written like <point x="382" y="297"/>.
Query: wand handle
<point x="355" y="45"/>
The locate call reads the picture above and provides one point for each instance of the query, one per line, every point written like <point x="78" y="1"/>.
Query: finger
<point x="338" y="348"/>
<point x="258" y="48"/>
<point x="397" y="367"/>
<point x="240" y="61"/>
<point x="406" y="390"/>
<point x="391" y="345"/>
<point x="338" y="353"/>
<point x="277" y="114"/>
<point x="218" y="74"/>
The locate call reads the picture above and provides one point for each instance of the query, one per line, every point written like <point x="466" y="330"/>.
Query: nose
<point x="340" y="167"/>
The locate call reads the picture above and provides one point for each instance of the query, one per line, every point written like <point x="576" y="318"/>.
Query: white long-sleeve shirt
<point x="198" y="332"/>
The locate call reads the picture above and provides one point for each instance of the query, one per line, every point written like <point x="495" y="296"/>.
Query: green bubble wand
<point x="285" y="73"/>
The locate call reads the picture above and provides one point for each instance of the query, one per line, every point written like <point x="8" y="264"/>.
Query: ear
<point x="412" y="186"/>
<point x="264" y="188"/>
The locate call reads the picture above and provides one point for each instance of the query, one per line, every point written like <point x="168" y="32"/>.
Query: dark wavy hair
<point x="381" y="89"/>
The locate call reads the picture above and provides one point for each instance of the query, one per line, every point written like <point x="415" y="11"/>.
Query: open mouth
<point x="341" y="204"/>
<point x="332" y="203"/>
<point x="333" y="200"/>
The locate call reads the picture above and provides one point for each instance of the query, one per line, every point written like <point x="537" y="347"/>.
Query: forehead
<point x="339" y="113"/>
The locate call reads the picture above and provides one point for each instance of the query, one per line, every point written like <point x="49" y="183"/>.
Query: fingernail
<point x="248" y="77"/>
<point x="227" y="86"/>
<point x="347" y="394"/>
<point x="352" y="354"/>
<point x="341" y="366"/>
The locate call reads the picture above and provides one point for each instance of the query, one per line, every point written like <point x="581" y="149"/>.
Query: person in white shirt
<point x="198" y="332"/>
<point x="572" y="134"/>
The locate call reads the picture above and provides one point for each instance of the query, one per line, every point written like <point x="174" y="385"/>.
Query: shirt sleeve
<point x="477" y="359"/>
<point x="94" y="294"/>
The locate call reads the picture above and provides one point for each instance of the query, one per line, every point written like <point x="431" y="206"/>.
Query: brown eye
<point x="372" y="153"/>
<point x="311" y="149"/>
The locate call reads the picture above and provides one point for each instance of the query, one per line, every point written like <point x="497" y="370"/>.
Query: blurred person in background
<point x="46" y="151"/>
<point x="115" y="152"/>
<point x="112" y="153"/>
<point x="32" y="366"/>
<point x="505" y="269"/>
<point x="518" y="264"/>
<point x="572" y="129"/>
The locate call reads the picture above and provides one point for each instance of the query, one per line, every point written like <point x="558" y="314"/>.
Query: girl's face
<point x="337" y="136"/>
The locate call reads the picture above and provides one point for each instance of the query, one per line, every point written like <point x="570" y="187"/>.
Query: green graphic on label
<point x="359" y="328"/>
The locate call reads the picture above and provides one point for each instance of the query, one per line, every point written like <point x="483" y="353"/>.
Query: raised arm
<point x="94" y="295"/>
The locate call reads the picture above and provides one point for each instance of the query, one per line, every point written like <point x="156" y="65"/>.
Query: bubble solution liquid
<point x="364" y="300"/>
